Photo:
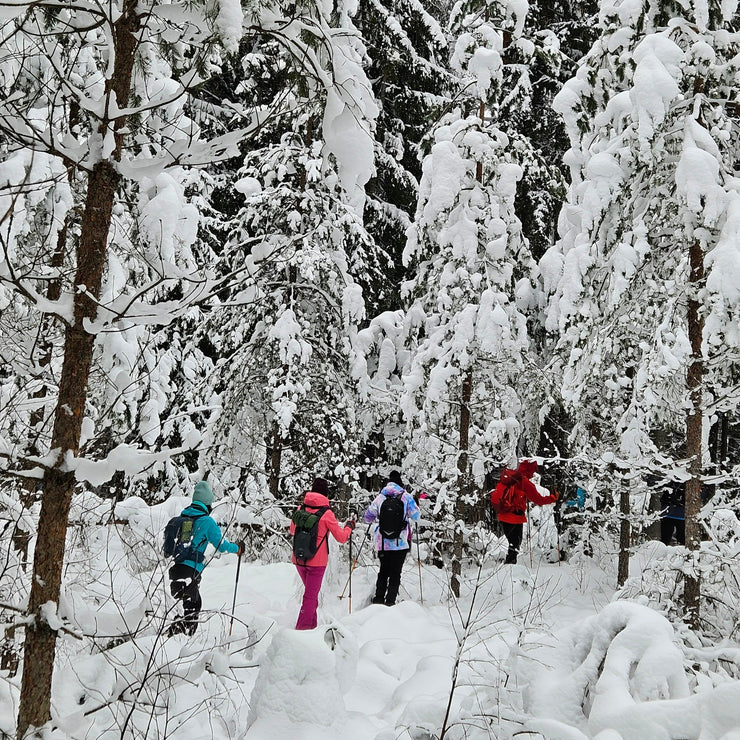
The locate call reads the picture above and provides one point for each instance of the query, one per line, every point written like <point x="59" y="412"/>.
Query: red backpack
<point x="503" y="496"/>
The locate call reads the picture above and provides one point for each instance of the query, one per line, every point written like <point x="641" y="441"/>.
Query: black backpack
<point x="178" y="539"/>
<point x="391" y="520"/>
<point x="305" y="536"/>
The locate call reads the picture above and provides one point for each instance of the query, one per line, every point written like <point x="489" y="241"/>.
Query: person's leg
<point x="184" y="582"/>
<point x="513" y="534"/>
<point x="395" y="565"/>
<point x="191" y="606"/>
<point x="680" y="531"/>
<point x="302" y="573"/>
<point x="381" y="584"/>
<point x="312" y="577"/>
<point x="666" y="530"/>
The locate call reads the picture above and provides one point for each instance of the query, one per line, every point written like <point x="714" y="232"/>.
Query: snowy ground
<point x="539" y="650"/>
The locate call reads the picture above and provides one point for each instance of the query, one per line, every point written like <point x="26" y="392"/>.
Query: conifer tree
<point x="289" y="402"/>
<point x="407" y="53"/>
<point x="472" y="284"/>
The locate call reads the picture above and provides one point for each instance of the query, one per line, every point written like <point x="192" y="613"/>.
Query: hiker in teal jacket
<point x="185" y="576"/>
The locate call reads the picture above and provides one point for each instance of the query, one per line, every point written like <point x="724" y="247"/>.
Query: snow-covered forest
<point x="261" y="242"/>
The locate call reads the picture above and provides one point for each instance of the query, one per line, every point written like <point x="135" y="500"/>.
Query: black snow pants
<point x="513" y="534"/>
<point x="389" y="577"/>
<point x="184" y="582"/>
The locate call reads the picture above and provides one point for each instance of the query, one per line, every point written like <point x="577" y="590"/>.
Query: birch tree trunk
<point x="58" y="484"/>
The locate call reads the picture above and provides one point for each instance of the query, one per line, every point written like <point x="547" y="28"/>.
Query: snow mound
<point x="619" y="676"/>
<point x="301" y="682"/>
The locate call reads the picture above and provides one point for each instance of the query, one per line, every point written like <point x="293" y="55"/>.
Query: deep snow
<point x="543" y="650"/>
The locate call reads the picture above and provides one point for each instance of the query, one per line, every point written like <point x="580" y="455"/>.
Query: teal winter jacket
<point x="205" y="530"/>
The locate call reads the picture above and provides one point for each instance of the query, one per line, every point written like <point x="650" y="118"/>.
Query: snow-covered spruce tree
<point x="471" y="287"/>
<point x="289" y="400"/>
<point x="555" y="36"/>
<point x="408" y="54"/>
<point x="306" y="257"/>
<point x="644" y="280"/>
<point x="97" y="236"/>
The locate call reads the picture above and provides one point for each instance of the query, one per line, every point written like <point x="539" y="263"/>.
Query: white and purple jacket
<point x="411" y="514"/>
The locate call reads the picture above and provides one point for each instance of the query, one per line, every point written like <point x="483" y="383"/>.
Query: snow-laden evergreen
<point x="289" y="407"/>
<point x="407" y="64"/>
<point x="472" y="271"/>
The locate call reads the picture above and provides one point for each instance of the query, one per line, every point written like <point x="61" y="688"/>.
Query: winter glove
<point x="241" y="547"/>
<point x="351" y="524"/>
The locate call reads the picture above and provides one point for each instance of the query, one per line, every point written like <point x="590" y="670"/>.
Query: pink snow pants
<point x="312" y="576"/>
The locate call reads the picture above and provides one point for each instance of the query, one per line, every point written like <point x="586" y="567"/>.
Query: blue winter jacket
<point x="411" y="514"/>
<point x="205" y="530"/>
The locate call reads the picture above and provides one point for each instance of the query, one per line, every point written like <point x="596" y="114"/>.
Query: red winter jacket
<point x="524" y="490"/>
<point x="328" y="523"/>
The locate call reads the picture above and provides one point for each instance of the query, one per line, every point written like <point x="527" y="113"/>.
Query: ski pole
<point x="555" y="522"/>
<point x="354" y="564"/>
<point x="350" y="572"/>
<point x="236" y="586"/>
<point x="418" y="560"/>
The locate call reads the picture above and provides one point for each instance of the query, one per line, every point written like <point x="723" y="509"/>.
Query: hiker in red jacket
<point x="312" y="570"/>
<point x="510" y="497"/>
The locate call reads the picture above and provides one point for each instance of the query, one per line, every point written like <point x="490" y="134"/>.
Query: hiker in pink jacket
<point x="312" y="570"/>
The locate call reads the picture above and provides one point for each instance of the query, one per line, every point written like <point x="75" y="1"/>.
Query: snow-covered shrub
<point x="661" y="579"/>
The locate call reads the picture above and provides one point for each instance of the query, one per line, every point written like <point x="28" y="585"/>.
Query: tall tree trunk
<point x="694" y="428"/>
<point x="276" y="453"/>
<point x="57" y="484"/>
<point x="28" y="495"/>
<point x="276" y="449"/>
<point x="462" y="481"/>
<point x="625" y="534"/>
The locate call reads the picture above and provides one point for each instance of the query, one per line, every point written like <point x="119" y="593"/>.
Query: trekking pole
<point x="354" y="564"/>
<point x="418" y="560"/>
<point x="350" y="572"/>
<point x="555" y="522"/>
<point x="529" y="535"/>
<point x="236" y="585"/>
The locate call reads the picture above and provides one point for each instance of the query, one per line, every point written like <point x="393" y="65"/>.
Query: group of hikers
<point x="392" y="512"/>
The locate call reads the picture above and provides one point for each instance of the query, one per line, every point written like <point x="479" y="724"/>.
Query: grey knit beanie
<point x="203" y="493"/>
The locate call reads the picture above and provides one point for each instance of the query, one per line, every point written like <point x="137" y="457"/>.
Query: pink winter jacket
<point x="327" y="523"/>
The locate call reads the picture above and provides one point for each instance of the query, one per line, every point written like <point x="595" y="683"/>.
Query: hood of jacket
<point x="509" y="476"/>
<point x="527" y="468"/>
<point x="392" y="489"/>
<point x="197" y="508"/>
<point x="315" y="500"/>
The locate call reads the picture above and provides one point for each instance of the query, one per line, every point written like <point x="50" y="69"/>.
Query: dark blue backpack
<point x="178" y="540"/>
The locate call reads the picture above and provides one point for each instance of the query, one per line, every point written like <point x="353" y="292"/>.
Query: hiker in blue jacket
<point x="392" y="550"/>
<point x="185" y="576"/>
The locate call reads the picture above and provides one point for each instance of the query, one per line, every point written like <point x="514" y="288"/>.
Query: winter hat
<point x="527" y="468"/>
<point x="320" y="485"/>
<point x="395" y="477"/>
<point x="203" y="493"/>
